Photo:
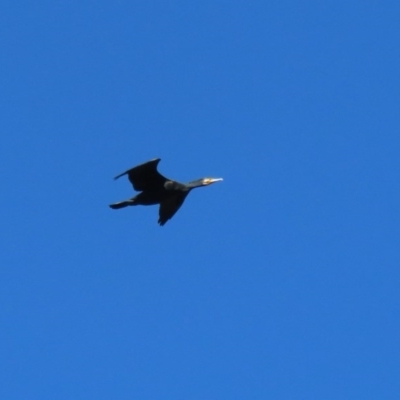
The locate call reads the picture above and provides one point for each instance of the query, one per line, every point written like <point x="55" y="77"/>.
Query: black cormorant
<point x="156" y="189"/>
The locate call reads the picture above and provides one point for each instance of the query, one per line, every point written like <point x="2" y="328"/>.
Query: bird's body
<point x="156" y="189"/>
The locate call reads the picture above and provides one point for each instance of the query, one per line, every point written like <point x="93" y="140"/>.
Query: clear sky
<point x="281" y="282"/>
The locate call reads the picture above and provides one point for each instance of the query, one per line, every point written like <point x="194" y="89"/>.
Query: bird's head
<point x="209" y="181"/>
<point x="202" y="182"/>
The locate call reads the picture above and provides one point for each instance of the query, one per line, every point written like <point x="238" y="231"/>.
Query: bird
<point x="155" y="188"/>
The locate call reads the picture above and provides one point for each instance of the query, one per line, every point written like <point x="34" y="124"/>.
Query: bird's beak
<point x="213" y="180"/>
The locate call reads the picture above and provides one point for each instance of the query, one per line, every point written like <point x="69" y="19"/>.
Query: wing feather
<point x="145" y="176"/>
<point x="170" y="206"/>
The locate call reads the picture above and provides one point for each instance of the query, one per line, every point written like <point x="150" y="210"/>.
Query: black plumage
<point x="155" y="188"/>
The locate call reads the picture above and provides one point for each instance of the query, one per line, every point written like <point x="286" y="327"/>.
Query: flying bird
<point x="155" y="188"/>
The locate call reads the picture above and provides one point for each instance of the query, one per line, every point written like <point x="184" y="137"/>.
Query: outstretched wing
<point x="170" y="206"/>
<point x="145" y="176"/>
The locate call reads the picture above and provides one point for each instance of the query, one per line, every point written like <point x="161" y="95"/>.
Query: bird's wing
<point x="145" y="176"/>
<point x="170" y="206"/>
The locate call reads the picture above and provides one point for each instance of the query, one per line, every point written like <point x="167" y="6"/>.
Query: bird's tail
<point x="122" y="204"/>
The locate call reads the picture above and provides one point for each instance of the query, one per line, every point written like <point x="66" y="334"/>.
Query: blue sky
<point x="282" y="282"/>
